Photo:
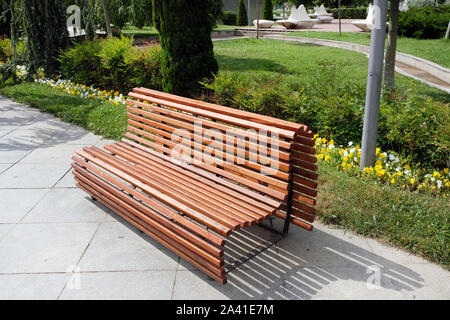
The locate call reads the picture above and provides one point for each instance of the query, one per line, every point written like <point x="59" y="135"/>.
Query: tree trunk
<point x="107" y="18"/>
<point x="389" y="66"/>
<point x="187" y="50"/>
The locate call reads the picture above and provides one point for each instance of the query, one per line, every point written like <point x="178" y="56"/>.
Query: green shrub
<point x="82" y="63"/>
<point x="112" y="64"/>
<point x="242" y="19"/>
<point x="349" y="13"/>
<point x="268" y="10"/>
<point x="229" y="18"/>
<point x="143" y="67"/>
<point x="334" y="107"/>
<point x="6" y="51"/>
<point x="424" y="22"/>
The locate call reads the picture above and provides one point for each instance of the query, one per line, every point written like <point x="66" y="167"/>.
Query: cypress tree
<point x="141" y="13"/>
<point x="268" y="10"/>
<point x="242" y="19"/>
<point x="185" y="35"/>
<point x="46" y="32"/>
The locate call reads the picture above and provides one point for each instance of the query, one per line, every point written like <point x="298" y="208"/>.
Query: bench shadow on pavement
<point x="299" y="266"/>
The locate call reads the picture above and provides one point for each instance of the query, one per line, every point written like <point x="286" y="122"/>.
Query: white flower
<point x="406" y="171"/>
<point x="352" y="150"/>
<point x="439" y="184"/>
<point x="398" y="169"/>
<point x="350" y="143"/>
<point x="345" y="153"/>
<point x="331" y="146"/>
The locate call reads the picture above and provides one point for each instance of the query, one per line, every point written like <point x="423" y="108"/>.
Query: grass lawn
<point x="99" y="117"/>
<point x="436" y="50"/>
<point x="416" y="222"/>
<point x="151" y="31"/>
<point x="251" y="57"/>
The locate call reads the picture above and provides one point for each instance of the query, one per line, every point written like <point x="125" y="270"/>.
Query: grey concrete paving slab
<point x="67" y="181"/>
<point x="61" y="153"/>
<point x="4" y="228"/>
<point x="16" y="203"/>
<point x="5" y="166"/>
<point x="66" y="205"/>
<point x="50" y="247"/>
<point x="121" y="247"/>
<point x="155" y="285"/>
<point x="12" y="151"/>
<point x="32" y="286"/>
<point x="33" y="175"/>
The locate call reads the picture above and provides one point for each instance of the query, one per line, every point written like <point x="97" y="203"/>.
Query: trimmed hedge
<point x="349" y="13"/>
<point x="424" y="23"/>
<point x="229" y="18"/>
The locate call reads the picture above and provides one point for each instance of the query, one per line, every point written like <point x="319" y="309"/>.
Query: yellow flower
<point x="359" y="154"/>
<point x="412" y="181"/>
<point x="378" y="167"/>
<point x="349" y="165"/>
<point x="399" y="173"/>
<point x="341" y="152"/>
<point x="116" y="93"/>
<point x="446" y="170"/>
<point x="345" y="159"/>
<point x="331" y="142"/>
<point x="436" y="175"/>
<point x="377" y="151"/>
<point x="382" y="155"/>
<point x="392" y="181"/>
<point x="381" y="173"/>
<point x="324" y="140"/>
<point x="407" y="167"/>
<point x="378" y="163"/>
<point x="327" y="157"/>
<point x="320" y="156"/>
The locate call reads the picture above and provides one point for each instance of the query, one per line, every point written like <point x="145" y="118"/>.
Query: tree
<point x="107" y="18"/>
<point x="46" y="33"/>
<point x="141" y="13"/>
<point x="389" y="65"/>
<point x="242" y="19"/>
<point x="268" y="10"/>
<point x="185" y="35"/>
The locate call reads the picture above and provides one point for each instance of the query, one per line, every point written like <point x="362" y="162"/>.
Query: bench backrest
<point x="270" y="159"/>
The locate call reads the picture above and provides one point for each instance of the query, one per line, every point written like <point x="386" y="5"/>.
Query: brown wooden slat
<point x="220" y="153"/>
<point x="305" y="182"/>
<point x="259" y="197"/>
<point x="303" y="207"/>
<point x="190" y="186"/>
<point x="221" y="109"/>
<point x="294" y="221"/>
<point x="235" y="196"/>
<point x="171" y="230"/>
<point x="214" y="115"/>
<point x="200" y="205"/>
<point x="302" y="189"/>
<point x="159" y="195"/>
<point x="305" y="173"/>
<point x="168" y="212"/>
<point x="298" y="213"/>
<point x="208" y="123"/>
<point x="217" y="274"/>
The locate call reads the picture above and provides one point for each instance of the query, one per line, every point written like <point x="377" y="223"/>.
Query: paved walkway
<point x="55" y="243"/>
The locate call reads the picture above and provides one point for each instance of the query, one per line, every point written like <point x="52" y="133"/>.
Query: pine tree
<point x="185" y="35"/>
<point x="46" y="33"/>
<point x="141" y="13"/>
<point x="242" y="19"/>
<point x="268" y="10"/>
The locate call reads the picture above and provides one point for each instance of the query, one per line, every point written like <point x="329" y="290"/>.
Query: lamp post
<point x="373" y="91"/>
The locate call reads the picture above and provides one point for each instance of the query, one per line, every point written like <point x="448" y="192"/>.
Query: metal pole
<point x="373" y="91"/>
<point x="339" y="14"/>
<point x="257" y="19"/>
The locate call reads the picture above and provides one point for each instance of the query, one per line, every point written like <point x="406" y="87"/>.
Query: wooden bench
<point x="166" y="176"/>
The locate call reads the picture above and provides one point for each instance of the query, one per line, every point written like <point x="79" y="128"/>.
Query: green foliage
<point x="141" y="13"/>
<point x="242" y="19"/>
<point x="417" y="128"/>
<point x="46" y="33"/>
<point x="349" y="13"/>
<point x="6" y="51"/>
<point x="187" y="50"/>
<point x="334" y="106"/>
<point x="424" y="22"/>
<point x="113" y="63"/>
<point x="5" y="19"/>
<point x="268" y="10"/>
<point x="229" y="18"/>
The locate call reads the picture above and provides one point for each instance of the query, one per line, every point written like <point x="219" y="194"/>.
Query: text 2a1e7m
<point x="251" y="309"/>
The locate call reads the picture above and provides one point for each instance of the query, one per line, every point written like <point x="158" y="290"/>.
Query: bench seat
<point x="191" y="207"/>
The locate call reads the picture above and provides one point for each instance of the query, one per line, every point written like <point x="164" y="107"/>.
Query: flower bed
<point x="389" y="168"/>
<point x="77" y="89"/>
